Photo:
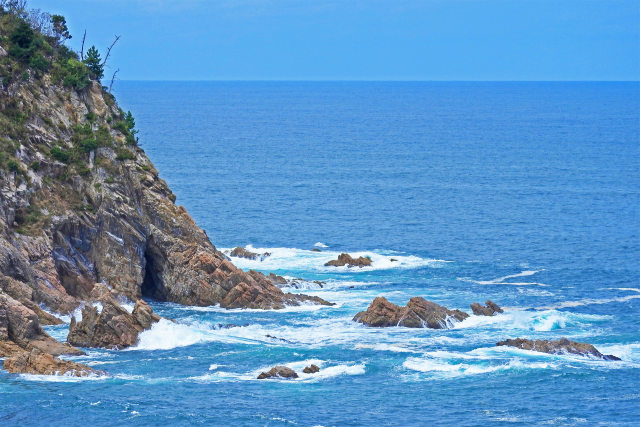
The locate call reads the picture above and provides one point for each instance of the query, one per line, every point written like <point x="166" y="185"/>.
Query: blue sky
<point x="361" y="39"/>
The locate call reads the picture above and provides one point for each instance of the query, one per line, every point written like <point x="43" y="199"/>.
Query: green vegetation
<point x="93" y="62"/>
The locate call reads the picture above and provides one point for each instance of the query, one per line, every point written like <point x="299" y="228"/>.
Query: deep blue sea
<point x="527" y="194"/>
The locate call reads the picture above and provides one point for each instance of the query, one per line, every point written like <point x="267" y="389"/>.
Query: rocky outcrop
<point x="311" y="369"/>
<point x="277" y="280"/>
<point x="240" y="252"/>
<point x="278" y="372"/>
<point x="489" y="309"/>
<point x="418" y="313"/>
<point x="105" y="323"/>
<point x="105" y="217"/>
<point x="41" y="363"/>
<point x="561" y="346"/>
<point x="20" y="330"/>
<point x="349" y="261"/>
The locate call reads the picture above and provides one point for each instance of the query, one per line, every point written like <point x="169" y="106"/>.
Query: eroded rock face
<point x="107" y="324"/>
<point x="349" y="261"/>
<point x="418" y="313"/>
<point x="561" y="346"/>
<point x="41" y="363"/>
<point x="489" y="309"/>
<point x="113" y="220"/>
<point x="20" y="330"/>
<point x="311" y="369"/>
<point x="278" y="372"/>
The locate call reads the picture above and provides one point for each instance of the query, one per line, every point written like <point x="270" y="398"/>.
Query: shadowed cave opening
<point x="152" y="282"/>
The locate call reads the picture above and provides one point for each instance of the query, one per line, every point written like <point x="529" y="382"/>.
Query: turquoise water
<point x="524" y="193"/>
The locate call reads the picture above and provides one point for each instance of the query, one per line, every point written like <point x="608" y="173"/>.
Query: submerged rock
<point x="240" y="252"/>
<point x="418" y="313"/>
<point x="278" y="372"/>
<point x="107" y="324"/>
<point x="489" y="309"/>
<point x="561" y="346"/>
<point x="41" y="363"/>
<point x="349" y="261"/>
<point x="312" y="369"/>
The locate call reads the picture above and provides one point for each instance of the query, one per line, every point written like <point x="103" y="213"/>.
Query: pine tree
<point x="92" y="61"/>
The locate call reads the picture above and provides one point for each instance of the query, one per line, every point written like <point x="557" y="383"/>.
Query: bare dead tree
<point x="113" y="78"/>
<point x="109" y="50"/>
<point x="82" y="48"/>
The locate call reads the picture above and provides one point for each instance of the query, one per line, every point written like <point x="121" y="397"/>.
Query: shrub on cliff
<point x="93" y="62"/>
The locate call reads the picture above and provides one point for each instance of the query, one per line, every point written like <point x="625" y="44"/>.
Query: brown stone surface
<point x="349" y="261"/>
<point x="311" y="369"/>
<point x="278" y="372"/>
<point x="561" y="346"/>
<point x="418" y="313"/>
<point x="489" y="309"/>
<point x="39" y="362"/>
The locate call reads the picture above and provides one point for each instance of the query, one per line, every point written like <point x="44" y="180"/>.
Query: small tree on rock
<point x="94" y="63"/>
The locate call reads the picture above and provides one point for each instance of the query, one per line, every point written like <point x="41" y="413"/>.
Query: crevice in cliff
<point x="152" y="283"/>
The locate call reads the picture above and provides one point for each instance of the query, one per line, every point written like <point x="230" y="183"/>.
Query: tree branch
<point x="109" y="50"/>
<point x="113" y="78"/>
<point x="82" y="48"/>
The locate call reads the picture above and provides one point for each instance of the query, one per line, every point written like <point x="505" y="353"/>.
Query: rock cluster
<point x="489" y="309"/>
<point x="418" y="313"/>
<point x="561" y="346"/>
<point x="278" y="372"/>
<point x="240" y="252"/>
<point x="349" y="261"/>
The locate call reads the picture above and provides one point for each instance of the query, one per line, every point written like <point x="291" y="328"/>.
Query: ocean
<point x="527" y="194"/>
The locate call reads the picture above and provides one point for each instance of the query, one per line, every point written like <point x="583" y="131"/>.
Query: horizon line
<point x="374" y="81"/>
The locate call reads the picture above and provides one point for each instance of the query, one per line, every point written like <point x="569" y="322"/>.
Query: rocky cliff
<point x="81" y="204"/>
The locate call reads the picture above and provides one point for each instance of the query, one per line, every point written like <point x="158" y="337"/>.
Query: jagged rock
<point x="240" y="252"/>
<point x="278" y="372"/>
<point x="349" y="261"/>
<point x="250" y="294"/>
<point x="277" y="280"/>
<point x="418" y="313"/>
<point x="20" y="329"/>
<point x="490" y="309"/>
<point x="312" y="369"/>
<point x="38" y="362"/>
<point x="561" y="346"/>
<point x="107" y="324"/>
<point x="2" y="52"/>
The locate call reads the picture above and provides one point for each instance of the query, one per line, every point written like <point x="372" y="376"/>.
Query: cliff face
<point x="81" y="204"/>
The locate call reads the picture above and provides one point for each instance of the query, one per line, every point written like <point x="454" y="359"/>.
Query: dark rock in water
<point x="278" y="372"/>
<point x="418" y="313"/>
<point x="277" y="280"/>
<point x="39" y="362"/>
<point x="490" y="309"/>
<point x="240" y="252"/>
<point x="561" y="346"/>
<point x="311" y="369"/>
<point x="349" y="261"/>
<point x="107" y="324"/>
<point x="393" y="260"/>
<point x="315" y="250"/>
<point x="251" y="295"/>
<point x="279" y="339"/>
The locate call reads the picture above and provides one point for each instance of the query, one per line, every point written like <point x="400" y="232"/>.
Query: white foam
<point x="293" y="259"/>
<point x="320" y="245"/>
<point x="165" y="335"/>
<point x="450" y="369"/>
<point x="502" y="280"/>
<point x="547" y="320"/>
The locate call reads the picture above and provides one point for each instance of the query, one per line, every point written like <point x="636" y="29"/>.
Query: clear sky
<point x="361" y="39"/>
